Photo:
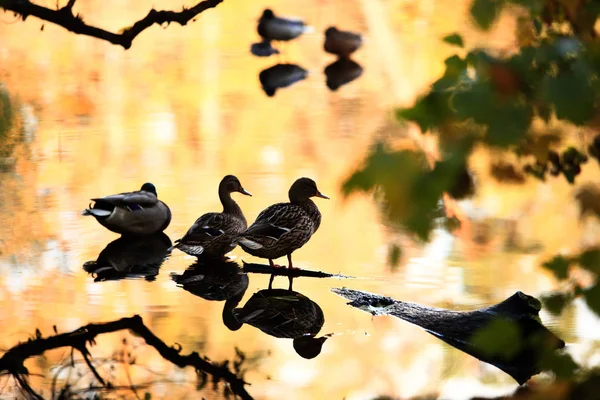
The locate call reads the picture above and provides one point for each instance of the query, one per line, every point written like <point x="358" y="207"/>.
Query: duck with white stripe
<point x="282" y="228"/>
<point x="132" y="213"/>
<point x="212" y="234"/>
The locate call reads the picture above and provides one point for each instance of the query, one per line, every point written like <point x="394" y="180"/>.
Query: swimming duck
<point x="213" y="233"/>
<point x="271" y="27"/>
<point x="341" y="43"/>
<point x="283" y="228"/>
<point x="131" y="213"/>
<point x="286" y="314"/>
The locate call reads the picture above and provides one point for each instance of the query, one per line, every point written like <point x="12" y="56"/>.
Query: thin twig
<point x="131" y="385"/>
<point x="74" y="23"/>
<point x="25" y="386"/>
<point x="86" y="357"/>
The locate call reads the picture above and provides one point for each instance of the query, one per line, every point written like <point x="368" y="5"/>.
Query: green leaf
<point x="559" y="265"/>
<point x="428" y="111"/>
<point x="485" y="12"/>
<point x="592" y="298"/>
<point x="499" y="338"/>
<point x="509" y="123"/>
<point x="408" y="194"/>
<point x="454" y="39"/>
<point x="590" y="260"/>
<point x="561" y="364"/>
<point x="475" y="101"/>
<point x="556" y="302"/>
<point x="571" y="94"/>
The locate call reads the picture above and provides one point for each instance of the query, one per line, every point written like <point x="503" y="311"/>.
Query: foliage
<point x="11" y="132"/>
<point x="524" y="103"/>
<point x="483" y="99"/>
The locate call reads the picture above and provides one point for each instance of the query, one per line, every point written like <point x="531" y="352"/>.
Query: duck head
<point x="268" y="14"/>
<point x="303" y="189"/>
<point x="230" y="184"/>
<point x="148" y="187"/>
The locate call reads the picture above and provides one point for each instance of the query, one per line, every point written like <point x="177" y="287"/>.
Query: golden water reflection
<point x="182" y="108"/>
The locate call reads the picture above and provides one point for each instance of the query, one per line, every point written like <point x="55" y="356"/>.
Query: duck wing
<point x="208" y="226"/>
<point x="141" y="198"/>
<point x="278" y="219"/>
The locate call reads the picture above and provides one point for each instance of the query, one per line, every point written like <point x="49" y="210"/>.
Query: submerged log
<point x="294" y="272"/>
<point x="462" y="329"/>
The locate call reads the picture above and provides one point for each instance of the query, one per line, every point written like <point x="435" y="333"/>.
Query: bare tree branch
<point x="12" y="361"/>
<point x="74" y="23"/>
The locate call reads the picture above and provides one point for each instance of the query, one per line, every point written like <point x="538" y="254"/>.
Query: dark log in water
<point x="460" y="328"/>
<point x="294" y="273"/>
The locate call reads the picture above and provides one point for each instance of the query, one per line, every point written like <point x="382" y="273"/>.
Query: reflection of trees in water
<point x="226" y="377"/>
<point x="20" y="203"/>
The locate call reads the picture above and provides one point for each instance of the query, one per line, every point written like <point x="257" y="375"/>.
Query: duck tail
<point x="249" y="243"/>
<point x="175" y="246"/>
<point x="308" y="29"/>
<point x="96" y="212"/>
<point x="188" y="248"/>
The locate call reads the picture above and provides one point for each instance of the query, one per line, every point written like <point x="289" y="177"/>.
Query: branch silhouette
<point x="64" y="17"/>
<point x="13" y="360"/>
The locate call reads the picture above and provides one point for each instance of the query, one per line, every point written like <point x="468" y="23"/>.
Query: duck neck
<point x="307" y="204"/>
<point x="229" y="205"/>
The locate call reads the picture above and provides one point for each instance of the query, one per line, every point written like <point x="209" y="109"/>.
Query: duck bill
<point x="244" y="191"/>
<point x="321" y="195"/>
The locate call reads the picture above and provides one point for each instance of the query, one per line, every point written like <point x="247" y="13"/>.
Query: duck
<point x="275" y="28"/>
<point x="286" y="314"/>
<point x="341" y="43"/>
<point x="213" y="233"/>
<point x="136" y="213"/>
<point x="282" y="228"/>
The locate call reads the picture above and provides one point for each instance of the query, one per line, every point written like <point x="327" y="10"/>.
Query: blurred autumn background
<point x="487" y="105"/>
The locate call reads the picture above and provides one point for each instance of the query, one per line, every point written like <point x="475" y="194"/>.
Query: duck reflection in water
<point x="130" y="257"/>
<point x="216" y="280"/>
<point x="286" y="314"/>
<point x="341" y="72"/>
<point x="344" y="70"/>
<point x="280" y="76"/>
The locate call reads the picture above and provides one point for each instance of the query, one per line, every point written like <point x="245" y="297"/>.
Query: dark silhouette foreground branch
<point x="64" y="17"/>
<point x="13" y="360"/>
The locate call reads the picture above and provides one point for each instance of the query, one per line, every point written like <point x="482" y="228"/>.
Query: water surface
<point x="182" y="108"/>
